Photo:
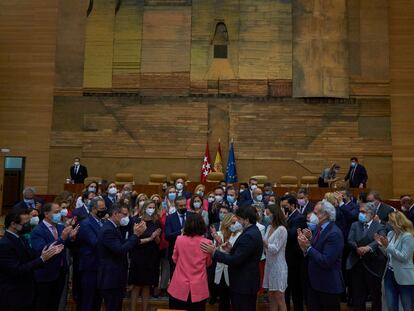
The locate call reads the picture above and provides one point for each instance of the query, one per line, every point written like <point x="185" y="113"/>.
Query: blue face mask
<point x="56" y="218"/>
<point x="312" y="226"/>
<point x="353" y="164"/>
<point x="172" y="196"/>
<point x="29" y="201"/>
<point x="268" y="218"/>
<point x="92" y="189"/>
<point x="221" y="216"/>
<point x="259" y="198"/>
<point x="231" y="199"/>
<point x="362" y="218"/>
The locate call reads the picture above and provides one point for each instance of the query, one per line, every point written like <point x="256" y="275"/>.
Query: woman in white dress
<point x="274" y="244"/>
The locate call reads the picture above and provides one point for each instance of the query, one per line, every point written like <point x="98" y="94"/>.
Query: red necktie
<point x="317" y="235"/>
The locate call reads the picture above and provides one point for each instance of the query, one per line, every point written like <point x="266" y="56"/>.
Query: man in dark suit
<point x="357" y="174"/>
<point x="173" y="227"/>
<point x="382" y="209"/>
<point x="90" y="298"/>
<point x="243" y="261"/>
<point x="82" y="212"/>
<point x="30" y="200"/>
<point x="407" y="205"/>
<point x="366" y="262"/>
<point x="180" y="186"/>
<point x="111" y="197"/>
<point x="323" y="252"/>
<point x="17" y="263"/>
<point x="305" y="206"/>
<point x="246" y="197"/>
<point x="78" y="172"/>
<point x="50" y="279"/>
<point x="113" y="261"/>
<point x="294" y="255"/>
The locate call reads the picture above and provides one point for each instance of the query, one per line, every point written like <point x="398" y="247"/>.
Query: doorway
<point x="13" y="181"/>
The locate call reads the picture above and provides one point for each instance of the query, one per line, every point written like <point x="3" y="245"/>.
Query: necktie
<point x="55" y="233"/>
<point x="353" y="173"/>
<point x="77" y="169"/>
<point x="365" y="228"/>
<point x="182" y="220"/>
<point x="317" y="235"/>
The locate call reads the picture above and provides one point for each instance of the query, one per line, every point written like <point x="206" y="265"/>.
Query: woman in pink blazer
<point x="189" y="287"/>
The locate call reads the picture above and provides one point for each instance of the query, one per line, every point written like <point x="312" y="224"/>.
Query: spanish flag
<point x="218" y="165"/>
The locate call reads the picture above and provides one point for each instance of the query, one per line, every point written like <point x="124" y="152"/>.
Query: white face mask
<point x="124" y="221"/>
<point x="34" y="221"/>
<point x="150" y="211"/>
<point x="211" y="199"/>
<point x="314" y="219"/>
<point x="172" y="210"/>
<point x="64" y="212"/>
<point x="236" y="227"/>
<point x="77" y="163"/>
<point x="253" y="187"/>
<point x="197" y="205"/>
<point x="179" y="186"/>
<point x="141" y="203"/>
<point x="112" y="191"/>
<point x="218" y="198"/>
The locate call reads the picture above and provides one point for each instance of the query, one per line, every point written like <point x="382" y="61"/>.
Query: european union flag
<point x="231" y="174"/>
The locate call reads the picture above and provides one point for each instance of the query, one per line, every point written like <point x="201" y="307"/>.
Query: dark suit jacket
<point x="324" y="261"/>
<point x="383" y="211"/>
<point x="185" y="194"/>
<point x="112" y="254"/>
<point x="350" y="213"/>
<point x="41" y="236"/>
<point x="243" y="261"/>
<point x="307" y="208"/>
<point x="78" y="178"/>
<point x="23" y="205"/>
<point x="410" y="214"/>
<point x="172" y="230"/>
<point x="88" y="241"/>
<point x="245" y="198"/>
<point x="81" y="213"/>
<point x="375" y="261"/>
<point x="360" y="176"/>
<point x="17" y="262"/>
<point x="108" y="201"/>
<point x="294" y="254"/>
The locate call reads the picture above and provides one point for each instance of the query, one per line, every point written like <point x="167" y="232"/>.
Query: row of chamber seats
<point x="213" y="177"/>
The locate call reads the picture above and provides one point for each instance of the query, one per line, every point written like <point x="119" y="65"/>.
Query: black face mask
<point x="182" y="210"/>
<point x="101" y="214"/>
<point x="26" y="228"/>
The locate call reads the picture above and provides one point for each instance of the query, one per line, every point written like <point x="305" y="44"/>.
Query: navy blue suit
<point x="50" y="278"/>
<point x="173" y="229"/>
<point x="108" y="201"/>
<point x="22" y="204"/>
<point x="350" y="213"/>
<point x="90" y="298"/>
<point x="245" y="198"/>
<point x="185" y="194"/>
<point x="243" y="262"/>
<point x="410" y="214"/>
<point x="17" y="263"/>
<point x="81" y="213"/>
<point x="324" y="269"/>
<point x="360" y="176"/>
<point x="113" y="264"/>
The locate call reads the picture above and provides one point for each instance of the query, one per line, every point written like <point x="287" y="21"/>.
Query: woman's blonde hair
<point x="331" y="198"/>
<point x="400" y="222"/>
<point x="225" y="225"/>
<point x="197" y="188"/>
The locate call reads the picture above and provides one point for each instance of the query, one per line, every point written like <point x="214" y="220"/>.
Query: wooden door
<point x="1" y="182"/>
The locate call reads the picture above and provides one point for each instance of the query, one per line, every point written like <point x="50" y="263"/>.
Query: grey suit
<point x="401" y="252"/>
<point x="367" y="270"/>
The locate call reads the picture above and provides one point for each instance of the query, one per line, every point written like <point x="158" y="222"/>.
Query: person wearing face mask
<point x="111" y="195"/>
<point x="18" y="262"/>
<point x="51" y="278"/>
<point x="407" y="207"/>
<point x="113" y="257"/>
<point x="199" y="190"/>
<point x="144" y="268"/>
<point x="357" y="174"/>
<point x="275" y="273"/>
<point x="82" y="212"/>
<point x="231" y="198"/>
<point x="382" y="210"/>
<point x="243" y="260"/>
<point x="246" y="197"/>
<point x="257" y="196"/>
<point x="174" y="226"/>
<point x="323" y="252"/>
<point x="365" y="261"/>
<point x="196" y="204"/>
<point x="328" y="176"/>
<point x="29" y="200"/>
<point x="294" y="255"/>
<point x="90" y="298"/>
<point x="140" y="201"/>
<point x="230" y="230"/>
<point x="305" y="206"/>
<point x="213" y="207"/>
<point x="78" y="172"/>
<point x="91" y="187"/>
<point x="180" y="186"/>
<point x="267" y="191"/>
<point x="169" y="202"/>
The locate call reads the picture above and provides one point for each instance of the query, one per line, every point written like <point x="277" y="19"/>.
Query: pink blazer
<point x="190" y="274"/>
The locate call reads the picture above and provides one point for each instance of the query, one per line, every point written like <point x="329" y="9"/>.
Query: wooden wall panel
<point x="127" y="44"/>
<point x="402" y="93"/>
<point x="27" y="66"/>
<point x="99" y="45"/>
<point x="320" y="52"/>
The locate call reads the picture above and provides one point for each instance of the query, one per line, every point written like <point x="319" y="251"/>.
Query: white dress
<point x="276" y="271"/>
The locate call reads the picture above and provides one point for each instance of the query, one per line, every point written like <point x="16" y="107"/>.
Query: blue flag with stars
<point x="231" y="174"/>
